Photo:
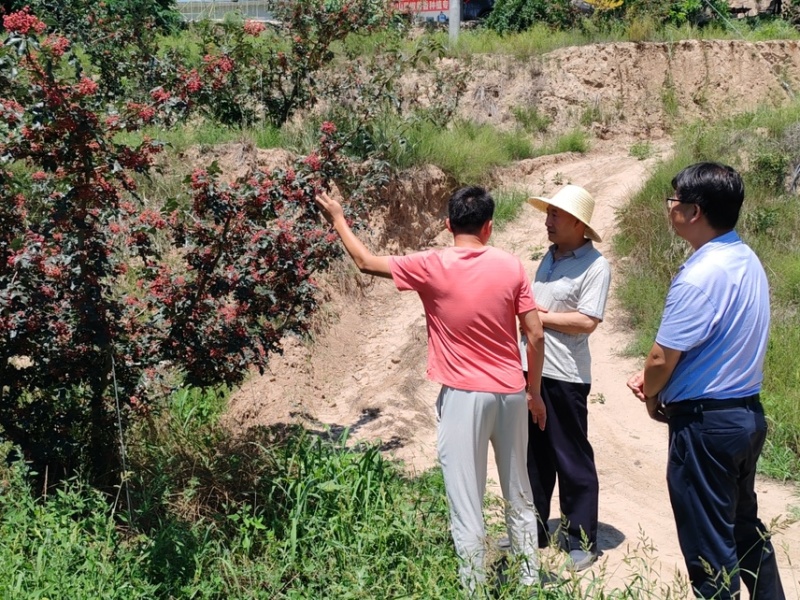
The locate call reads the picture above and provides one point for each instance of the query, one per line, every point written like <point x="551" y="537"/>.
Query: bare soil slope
<point x="365" y="369"/>
<point x="641" y="89"/>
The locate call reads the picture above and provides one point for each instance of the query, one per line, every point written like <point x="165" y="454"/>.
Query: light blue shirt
<point x="717" y="314"/>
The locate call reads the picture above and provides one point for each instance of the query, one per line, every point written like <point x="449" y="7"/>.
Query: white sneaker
<point x="579" y="560"/>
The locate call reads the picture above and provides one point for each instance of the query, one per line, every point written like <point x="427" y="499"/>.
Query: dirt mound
<point x="642" y="89"/>
<point x="236" y="159"/>
<point x="413" y="209"/>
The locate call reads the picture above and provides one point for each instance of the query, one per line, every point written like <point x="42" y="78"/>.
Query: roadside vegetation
<point x="125" y="317"/>
<point x="764" y="146"/>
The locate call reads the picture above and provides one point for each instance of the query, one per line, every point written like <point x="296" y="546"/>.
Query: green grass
<point x="181" y="138"/>
<point x="204" y="133"/>
<point x="274" y="513"/>
<point x="572" y="141"/>
<point x="67" y="546"/>
<point x="281" y="513"/>
<point x="781" y="385"/>
<point x="641" y="150"/>
<point x="541" y="39"/>
<point x="531" y="120"/>
<point x="536" y="41"/>
<point x="277" y="514"/>
<point x="776" y="29"/>
<point x="466" y="150"/>
<point x="769" y="223"/>
<point x="508" y="204"/>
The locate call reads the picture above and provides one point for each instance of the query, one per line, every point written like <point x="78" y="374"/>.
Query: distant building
<point x="260" y="10"/>
<point x="215" y="10"/>
<point x="439" y="10"/>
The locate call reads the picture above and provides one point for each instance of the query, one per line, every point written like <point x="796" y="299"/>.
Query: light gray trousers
<point x="468" y="421"/>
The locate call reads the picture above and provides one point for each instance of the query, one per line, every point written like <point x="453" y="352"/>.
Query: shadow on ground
<point x="335" y="431"/>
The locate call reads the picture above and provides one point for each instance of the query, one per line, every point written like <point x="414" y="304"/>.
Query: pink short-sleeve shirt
<point x="472" y="297"/>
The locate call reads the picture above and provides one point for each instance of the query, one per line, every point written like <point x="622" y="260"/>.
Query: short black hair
<point x="716" y="188"/>
<point x="469" y="209"/>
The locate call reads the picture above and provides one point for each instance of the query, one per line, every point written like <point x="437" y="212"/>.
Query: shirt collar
<point x="577" y="253"/>
<point x="726" y="239"/>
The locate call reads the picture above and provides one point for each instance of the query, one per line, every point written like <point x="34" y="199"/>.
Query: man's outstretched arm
<point x="362" y="257"/>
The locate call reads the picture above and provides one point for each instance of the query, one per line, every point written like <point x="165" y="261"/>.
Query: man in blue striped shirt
<point x="703" y="376"/>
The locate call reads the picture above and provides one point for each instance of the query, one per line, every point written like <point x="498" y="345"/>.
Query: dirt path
<point x="366" y="372"/>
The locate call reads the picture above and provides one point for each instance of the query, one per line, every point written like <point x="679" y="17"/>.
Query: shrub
<point x="107" y="302"/>
<point x="119" y="39"/>
<point x="518" y="15"/>
<point x="677" y="12"/>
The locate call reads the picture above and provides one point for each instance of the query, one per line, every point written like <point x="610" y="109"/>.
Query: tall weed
<point x="508" y="204"/>
<point x="466" y="150"/>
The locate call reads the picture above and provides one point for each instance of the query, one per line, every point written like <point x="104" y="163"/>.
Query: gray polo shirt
<point x="578" y="281"/>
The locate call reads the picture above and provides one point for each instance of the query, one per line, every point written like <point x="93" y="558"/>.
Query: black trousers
<point x="711" y="478"/>
<point x="562" y="451"/>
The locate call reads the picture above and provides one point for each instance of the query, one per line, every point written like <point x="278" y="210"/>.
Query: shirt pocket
<point x="563" y="290"/>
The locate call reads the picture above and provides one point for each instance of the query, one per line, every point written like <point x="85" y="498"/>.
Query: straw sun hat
<point x="574" y="200"/>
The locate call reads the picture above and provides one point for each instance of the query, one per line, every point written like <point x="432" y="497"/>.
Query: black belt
<point x="701" y="405"/>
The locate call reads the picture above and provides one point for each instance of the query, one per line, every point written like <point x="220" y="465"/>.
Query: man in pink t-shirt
<point x="473" y="295"/>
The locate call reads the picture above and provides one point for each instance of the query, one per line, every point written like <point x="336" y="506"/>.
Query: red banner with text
<point x="422" y="6"/>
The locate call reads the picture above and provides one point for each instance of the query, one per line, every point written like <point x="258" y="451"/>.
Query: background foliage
<point x="518" y="15"/>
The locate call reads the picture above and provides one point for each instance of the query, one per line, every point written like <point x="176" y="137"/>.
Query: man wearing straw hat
<point x="572" y="284"/>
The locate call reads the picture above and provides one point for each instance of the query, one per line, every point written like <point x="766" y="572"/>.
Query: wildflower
<point x="86" y="87"/>
<point x="56" y="44"/>
<point x="254" y="28"/>
<point x="23" y="22"/>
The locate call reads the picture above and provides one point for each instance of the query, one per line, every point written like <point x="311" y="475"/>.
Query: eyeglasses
<point x="674" y="199"/>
